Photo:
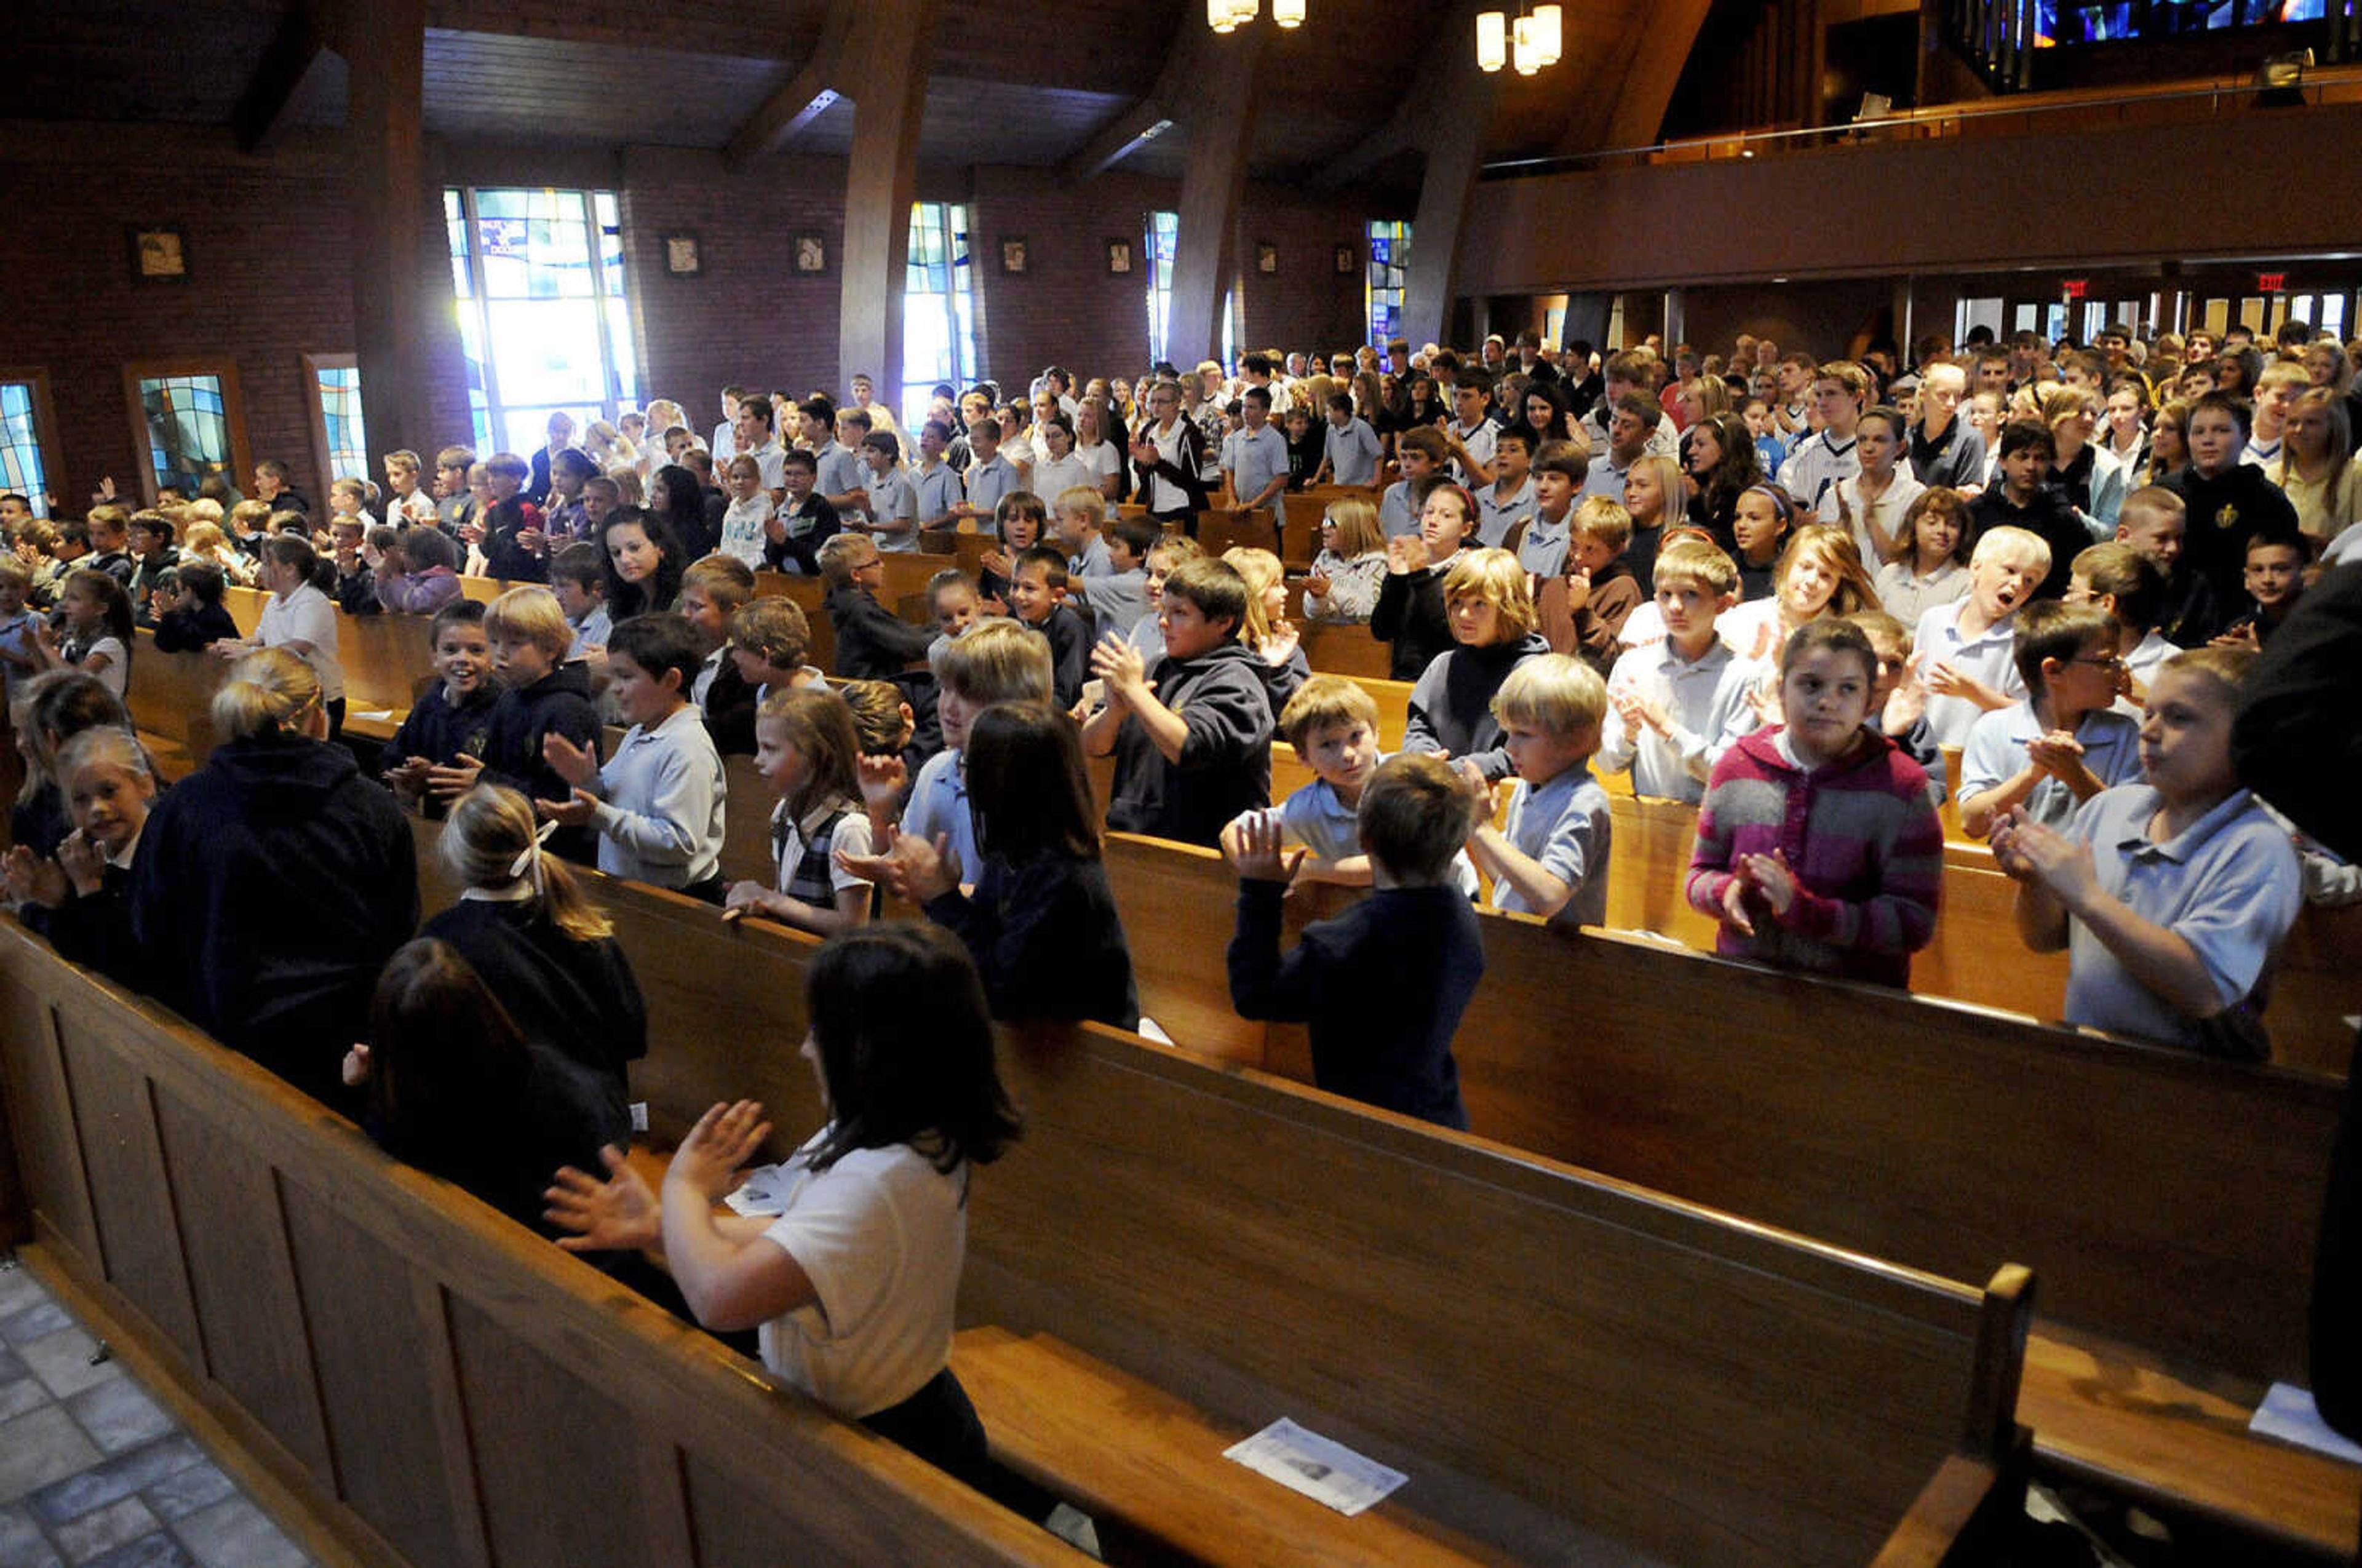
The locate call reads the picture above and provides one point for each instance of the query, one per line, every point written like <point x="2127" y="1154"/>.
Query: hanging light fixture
<point x="1492" y="40"/>
<point x="1549" y="32"/>
<point x="1218" y="16"/>
<point x="1528" y="56"/>
<point x="1288" y="13"/>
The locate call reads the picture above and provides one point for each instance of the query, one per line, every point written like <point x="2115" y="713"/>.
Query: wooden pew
<point x="1912" y="1129"/>
<point x="432" y="1384"/>
<point x="1338" y="647"/>
<point x="1744" y="1397"/>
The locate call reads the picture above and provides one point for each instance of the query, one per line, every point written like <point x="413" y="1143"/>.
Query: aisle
<point x="93" y="1473"/>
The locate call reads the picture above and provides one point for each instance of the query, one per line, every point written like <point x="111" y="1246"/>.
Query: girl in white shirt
<point x="847" y="1256"/>
<point x="1873" y="502"/>
<point x="98" y="630"/>
<point x="298" y="618"/>
<point x="1056" y="470"/>
<point x="1096" y="452"/>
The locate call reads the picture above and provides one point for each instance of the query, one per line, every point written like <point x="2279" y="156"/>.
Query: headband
<point x="1786" y="509"/>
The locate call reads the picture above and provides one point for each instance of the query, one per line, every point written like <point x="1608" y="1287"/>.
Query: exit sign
<point x="2075" y="288"/>
<point x="2271" y="283"/>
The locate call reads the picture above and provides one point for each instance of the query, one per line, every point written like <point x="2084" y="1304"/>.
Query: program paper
<point x="1308" y="1462"/>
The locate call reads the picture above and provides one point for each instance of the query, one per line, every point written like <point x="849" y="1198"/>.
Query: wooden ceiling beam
<point x="1152" y="115"/>
<point x="292" y="54"/>
<point x="807" y="96"/>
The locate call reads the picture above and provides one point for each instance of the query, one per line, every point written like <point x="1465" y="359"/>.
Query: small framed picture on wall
<point x="1013" y="255"/>
<point x="159" y="253"/>
<point x="1349" y="260"/>
<point x="1267" y="257"/>
<point x="682" y="257"/>
<point x="1119" y="256"/>
<point x="811" y="253"/>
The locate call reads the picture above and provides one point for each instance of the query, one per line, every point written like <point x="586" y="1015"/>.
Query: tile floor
<point x="93" y="1473"/>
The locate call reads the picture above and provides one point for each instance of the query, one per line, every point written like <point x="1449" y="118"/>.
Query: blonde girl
<point x="207" y="543"/>
<point x="1820" y="574"/>
<point x="1351" y="567"/>
<point x="806" y="750"/>
<point x="1267" y="635"/>
<point x="2316" y="466"/>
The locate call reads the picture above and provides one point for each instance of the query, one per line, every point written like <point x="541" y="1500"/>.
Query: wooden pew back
<point x="1923" y="1131"/>
<point x="436" y="1384"/>
<point x="1550" y="1356"/>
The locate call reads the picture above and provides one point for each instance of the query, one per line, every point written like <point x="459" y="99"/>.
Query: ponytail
<point x="489" y="841"/>
<point x="267" y="693"/>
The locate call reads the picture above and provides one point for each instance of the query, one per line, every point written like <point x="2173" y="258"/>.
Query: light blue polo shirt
<point x="937" y="489"/>
<point x="1996" y="752"/>
<point x="1397" y="516"/>
<point x="938" y="804"/>
<point x="1317" y="817"/>
<point x="1254" y="458"/>
<point x="1496" y="515"/>
<point x="1564" y="825"/>
<point x="1990" y="656"/>
<point x="988" y="482"/>
<point x="1354" y="452"/>
<point x="2230" y="885"/>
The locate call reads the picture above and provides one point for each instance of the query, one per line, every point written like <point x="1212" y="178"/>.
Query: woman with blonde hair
<point x="273" y="883"/>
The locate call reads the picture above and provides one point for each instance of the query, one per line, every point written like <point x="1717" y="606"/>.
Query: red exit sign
<point x="2271" y="283"/>
<point x="2075" y="288"/>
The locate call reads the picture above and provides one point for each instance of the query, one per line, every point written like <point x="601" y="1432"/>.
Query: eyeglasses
<point x="2110" y="661"/>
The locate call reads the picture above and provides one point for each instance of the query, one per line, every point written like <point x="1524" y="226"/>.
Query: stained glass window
<point x="1163" y="233"/>
<point x="21" y="468"/>
<point x="1388" y="275"/>
<point x="188" y="429"/>
<point x="339" y="390"/>
<point x="545" y="321"/>
<point x="938" y="308"/>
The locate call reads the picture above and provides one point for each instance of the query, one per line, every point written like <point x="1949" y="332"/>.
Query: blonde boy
<point x="1675" y="705"/>
<point x="996" y="660"/>
<point x="1966" y="649"/>
<point x="1333" y="723"/>
<point x="770" y="638"/>
<point x="405" y="502"/>
<point x="1550" y="859"/>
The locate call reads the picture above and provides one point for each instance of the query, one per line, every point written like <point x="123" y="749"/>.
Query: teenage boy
<point x="889" y="506"/>
<point x="1191" y="738"/>
<point x="2021" y="496"/>
<point x="1628" y="440"/>
<point x="2063" y="745"/>
<point x="657" y="804"/>
<point x="1840" y="391"/>
<point x="1353" y="453"/>
<point x="1254" y="458"/>
<point x="755" y="437"/>
<point x="1673" y="705"/>
<point x="1539" y="542"/>
<point x="1630" y="374"/>
<point x="1511" y="499"/>
<point x="839" y="469"/>
<point x="803" y="523"/>
<point x="1384" y="985"/>
<point x="990" y="475"/>
<point x="2230" y="502"/>
<point x="1471" y="436"/>
<point x="2277" y="391"/>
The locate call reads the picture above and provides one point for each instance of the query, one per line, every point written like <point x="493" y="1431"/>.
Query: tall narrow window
<point x="546" y="326"/>
<point x="24" y="418"/>
<point x="189" y="419"/>
<point x="1163" y="233"/>
<point x="336" y="432"/>
<point x="1389" y="274"/>
<point x="938" y="308"/>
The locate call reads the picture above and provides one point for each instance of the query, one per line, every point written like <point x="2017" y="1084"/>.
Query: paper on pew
<point x="375" y="715"/>
<point x="1323" y="1471"/>
<point x="2288" y="1414"/>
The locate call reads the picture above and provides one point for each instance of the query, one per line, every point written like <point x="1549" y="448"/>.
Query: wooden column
<point x="891" y="46"/>
<point x="394" y="212"/>
<point x="1461" y="114"/>
<point x="1213" y="181"/>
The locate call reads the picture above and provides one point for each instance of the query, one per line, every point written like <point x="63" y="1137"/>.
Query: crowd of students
<point x="1776" y="588"/>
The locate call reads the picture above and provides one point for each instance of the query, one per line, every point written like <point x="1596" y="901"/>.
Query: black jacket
<point x="1047" y="939"/>
<point x="872" y="641"/>
<point x="578" y="998"/>
<point x="801" y="551"/>
<point x="2226" y="511"/>
<point x="356" y="593"/>
<point x="503" y="557"/>
<point x="558" y="703"/>
<point x="1409" y="615"/>
<point x="2297" y="743"/>
<point x="93" y="930"/>
<point x="1383" y="986"/>
<point x="270" y="889"/>
<point x="1069" y="636"/>
<point x="1187" y="475"/>
<point x="2048" y="514"/>
<point x="1225" y="766"/>
<point x="729" y="711"/>
<point x="442" y="733"/>
<point x="180" y="630"/>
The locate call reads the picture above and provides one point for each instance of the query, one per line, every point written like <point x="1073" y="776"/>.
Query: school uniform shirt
<point x="1046" y="938"/>
<point x="2262" y="454"/>
<point x="803" y="854"/>
<point x="1452" y="705"/>
<point x="1104" y="462"/>
<point x="1116" y="599"/>
<point x="1705" y="702"/>
<point x="1988" y="656"/>
<point x="1480" y="442"/>
<point x="1051" y="478"/>
<point x="1605" y="476"/>
<point x="938" y="805"/>
<point x="1397" y="513"/>
<point x="1354" y="452"/>
<point x="1070" y="652"/>
<point x="1953" y="461"/>
<point x="2050" y="515"/>
<point x="1665" y="440"/>
<point x="934" y="490"/>
<point x="451" y="513"/>
<point x="578" y="998"/>
<point x="116" y="674"/>
<point x="1996" y="753"/>
<point x="593" y="631"/>
<point x="1843" y="498"/>
<point x="1382" y="988"/>
<point x="442" y="731"/>
<point x="881" y="1234"/>
<point x="872" y="641"/>
<point x="1253" y="458"/>
<point x="1225" y="763"/>
<point x="988" y="482"/>
<point x="1541" y="545"/>
<point x="1816" y="464"/>
<point x="117" y="564"/>
<point x="839" y="469"/>
<point x="307" y="616"/>
<point x="1562" y="825"/>
<point x="1906" y="595"/>
<point x="2229" y="884"/>
<point x="272" y="886"/>
<point x="660" y="803"/>
<point x="810" y="523"/>
<point x="892" y="498"/>
<point x="742" y="528"/>
<point x="1498" y="513"/>
<point x="2148" y="655"/>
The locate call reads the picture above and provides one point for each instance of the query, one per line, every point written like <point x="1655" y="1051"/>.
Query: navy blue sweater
<point x="578" y="998"/>
<point x="270" y="886"/>
<point x="1383" y="986"/>
<point x="1046" y="936"/>
<point x="558" y="703"/>
<point x="442" y="731"/>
